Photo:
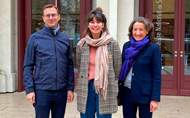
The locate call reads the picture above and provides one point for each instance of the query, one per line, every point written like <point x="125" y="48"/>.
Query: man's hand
<point x="153" y="106"/>
<point x="70" y="96"/>
<point x="31" y="97"/>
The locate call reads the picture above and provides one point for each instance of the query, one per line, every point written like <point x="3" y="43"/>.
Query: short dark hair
<point x="148" y="26"/>
<point x="50" y="6"/>
<point x="96" y="13"/>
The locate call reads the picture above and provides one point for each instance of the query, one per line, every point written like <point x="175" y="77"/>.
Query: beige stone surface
<point x="15" y="105"/>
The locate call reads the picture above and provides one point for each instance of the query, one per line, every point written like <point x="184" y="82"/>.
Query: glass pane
<point x="163" y="19"/>
<point x="187" y="39"/>
<point x="37" y="6"/>
<point x="70" y="22"/>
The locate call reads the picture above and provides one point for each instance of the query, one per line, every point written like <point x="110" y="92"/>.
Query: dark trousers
<point x="130" y="108"/>
<point x="50" y="100"/>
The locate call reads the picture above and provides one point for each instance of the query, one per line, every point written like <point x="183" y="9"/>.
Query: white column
<point x="104" y="4"/>
<point x="94" y="4"/>
<point x="8" y="48"/>
<point x="109" y="8"/>
<point x="113" y="10"/>
<point x="125" y="17"/>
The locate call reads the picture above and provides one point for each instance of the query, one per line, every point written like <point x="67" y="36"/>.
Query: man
<point x="49" y="54"/>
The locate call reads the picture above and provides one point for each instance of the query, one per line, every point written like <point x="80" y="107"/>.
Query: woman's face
<point x="95" y="28"/>
<point x="139" y="31"/>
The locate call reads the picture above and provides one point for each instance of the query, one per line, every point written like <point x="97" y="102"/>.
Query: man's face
<point x="51" y="17"/>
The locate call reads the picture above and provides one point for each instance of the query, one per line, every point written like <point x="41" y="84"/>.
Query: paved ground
<point x="15" y="105"/>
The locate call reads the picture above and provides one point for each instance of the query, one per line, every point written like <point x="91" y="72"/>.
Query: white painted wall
<point x="8" y="46"/>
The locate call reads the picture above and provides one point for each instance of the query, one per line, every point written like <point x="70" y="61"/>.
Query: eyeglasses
<point x="50" y="15"/>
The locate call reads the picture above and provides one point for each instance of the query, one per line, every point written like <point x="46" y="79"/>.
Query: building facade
<point x="171" y="19"/>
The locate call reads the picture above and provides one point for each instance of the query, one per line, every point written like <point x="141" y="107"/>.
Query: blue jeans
<point x="92" y="105"/>
<point x="130" y="108"/>
<point x="50" y="100"/>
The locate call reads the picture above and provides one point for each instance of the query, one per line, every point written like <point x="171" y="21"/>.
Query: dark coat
<point x="146" y="74"/>
<point x="50" y="59"/>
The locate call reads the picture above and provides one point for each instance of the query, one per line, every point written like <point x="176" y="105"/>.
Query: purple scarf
<point x="130" y="54"/>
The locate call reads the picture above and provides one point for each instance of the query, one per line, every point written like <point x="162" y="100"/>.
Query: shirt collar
<point x="55" y="31"/>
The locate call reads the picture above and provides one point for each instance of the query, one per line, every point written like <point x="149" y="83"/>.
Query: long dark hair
<point x="96" y="13"/>
<point x="148" y="26"/>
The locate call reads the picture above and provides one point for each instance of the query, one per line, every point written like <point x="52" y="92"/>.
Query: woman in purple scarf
<point x="141" y="71"/>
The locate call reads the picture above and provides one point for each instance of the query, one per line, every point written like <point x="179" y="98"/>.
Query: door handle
<point x="181" y="53"/>
<point x="175" y="54"/>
